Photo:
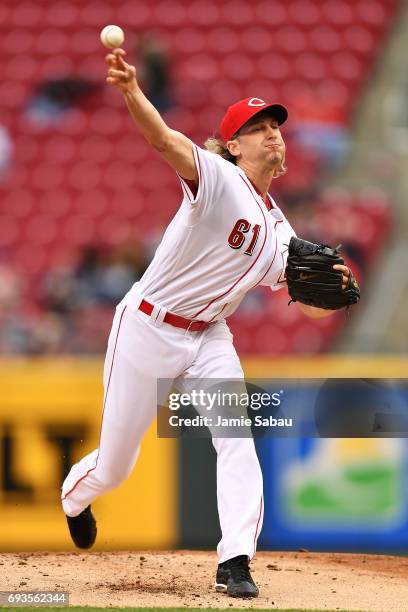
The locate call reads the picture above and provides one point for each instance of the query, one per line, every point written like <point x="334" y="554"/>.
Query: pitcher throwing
<point x="227" y="237"/>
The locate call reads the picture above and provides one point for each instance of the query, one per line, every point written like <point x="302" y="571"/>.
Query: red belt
<point x="176" y="320"/>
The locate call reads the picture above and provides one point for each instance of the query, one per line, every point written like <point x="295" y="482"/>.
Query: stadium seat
<point x="56" y="203"/>
<point x="96" y="148"/>
<point x="222" y="40"/>
<point x="272" y="14"/>
<point x="241" y="70"/>
<point x="85" y="175"/>
<point x="204" y="14"/>
<point x="26" y="14"/>
<point x="237" y="13"/>
<point x="9" y="231"/>
<point x="89" y="175"/>
<point x="256" y="40"/>
<point x="304" y="13"/>
<point x="324" y="39"/>
<point x="189" y="40"/>
<point x="79" y="229"/>
<point x="92" y="202"/>
<point x="62" y="14"/>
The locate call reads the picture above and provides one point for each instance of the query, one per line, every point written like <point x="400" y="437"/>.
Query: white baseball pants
<point x="139" y="352"/>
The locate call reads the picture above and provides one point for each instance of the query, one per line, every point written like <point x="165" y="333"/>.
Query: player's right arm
<point x="175" y="148"/>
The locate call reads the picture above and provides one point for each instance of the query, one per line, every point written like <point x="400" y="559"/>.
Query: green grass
<point x="93" y="609"/>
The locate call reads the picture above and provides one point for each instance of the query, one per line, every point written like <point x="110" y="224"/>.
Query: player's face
<point x="259" y="141"/>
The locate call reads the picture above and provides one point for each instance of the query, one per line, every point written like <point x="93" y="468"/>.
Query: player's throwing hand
<point x="120" y="74"/>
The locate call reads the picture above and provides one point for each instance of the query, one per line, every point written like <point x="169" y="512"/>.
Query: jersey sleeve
<point x="210" y="179"/>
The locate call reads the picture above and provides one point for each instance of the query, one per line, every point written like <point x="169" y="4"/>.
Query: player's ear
<point x="233" y="147"/>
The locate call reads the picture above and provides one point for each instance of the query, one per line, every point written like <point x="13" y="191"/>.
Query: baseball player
<point x="227" y="237"/>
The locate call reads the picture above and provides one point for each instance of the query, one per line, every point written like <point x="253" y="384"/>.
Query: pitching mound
<point x="183" y="578"/>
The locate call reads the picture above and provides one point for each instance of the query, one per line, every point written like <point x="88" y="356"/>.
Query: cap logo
<point x="256" y="102"/>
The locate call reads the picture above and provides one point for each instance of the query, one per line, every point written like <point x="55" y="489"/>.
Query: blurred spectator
<point x="155" y="71"/>
<point x="319" y="126"/>
<point x="54" y="97"/>
<point x="124" y="267"/>
<point x="78" y="302"/>
<point x="6" y="150"/>
<point x="10" y="288"/>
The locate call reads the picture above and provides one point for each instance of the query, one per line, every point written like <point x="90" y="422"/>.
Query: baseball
<point x="112" y="36"/>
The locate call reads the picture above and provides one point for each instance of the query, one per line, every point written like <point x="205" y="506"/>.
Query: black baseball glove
<point x="312" y="280"/>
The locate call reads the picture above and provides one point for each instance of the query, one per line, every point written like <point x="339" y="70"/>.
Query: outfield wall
<point x="50" y="417"/>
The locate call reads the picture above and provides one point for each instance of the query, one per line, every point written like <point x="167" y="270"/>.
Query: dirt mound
<point x="183" y="578"/>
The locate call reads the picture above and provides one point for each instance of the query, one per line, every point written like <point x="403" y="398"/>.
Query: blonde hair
<point x="217" y="146"/>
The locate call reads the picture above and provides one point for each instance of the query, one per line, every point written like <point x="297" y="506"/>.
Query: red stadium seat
<point x="256" y="40"/>
<point x="85" y="41"/>
<point x="324" y="39"/>
<point x="237" y="13"/>
<point x="359" y="39"/>
<point x="85" y="175"/>
<point x="240" y="70"/>
<point x="97" y="14"/>
<point x="129" y="203"/>
<point x="91" y="203"/>
<point x="189" y="40"/>
<point x="55" y="67"/>
<point x="21" y="67"/>
<point x="204" y="14"/>
<point x="17" y="41"/>
<point x="18" y="203"/>
<point x="131" y="147"/>
<point x="96" y="148"/>
<point x="79" y="230"/>
<point x="200" y="67"/>
<point x="119" y="175"/>
<point x="224" y="92"/>
<point x="222" y="40"/>
<point x="177" y="118"/>
<point x="107" y="121"/>
<point x="136" y="15"/>
<point x="304" y="13"/>
<point x="41" y="229"/>
<point x="29" y="258"/>
<point x="273" y="66"/>
<point x="62" y="14"/>
<point x="170" y="14"/>
<point x="337" y="13"/>
<point x="52" y="41"/>
<point x="12" y="94"/>
<point x="310" y="66"/>
<point x="114" y="230"/>
<point x="372" y="13"/>
<point x="270" y="339"/>
<point x="27" y="14"/>
<point x="346" y="67"/>
<point x="290" y="40"/>
<point x="190" y="91"/>
<point x="55" y="203"/>
<point x="272" y="14"/>
<point x="210" y="117"/>
<point x="262" y="88"/>
<point x="9" y="231"/>
<point x="17" y="176"/>
<point x="60" y="149"/>
<point x="90" y="176"/>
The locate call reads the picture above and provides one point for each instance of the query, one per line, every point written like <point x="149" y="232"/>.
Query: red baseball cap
<point x="240" y="112"/>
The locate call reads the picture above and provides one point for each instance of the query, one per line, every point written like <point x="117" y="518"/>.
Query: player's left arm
<point x="319" y="313"/>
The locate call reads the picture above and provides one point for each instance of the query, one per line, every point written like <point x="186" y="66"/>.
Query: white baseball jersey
<point x="221" y="243"/>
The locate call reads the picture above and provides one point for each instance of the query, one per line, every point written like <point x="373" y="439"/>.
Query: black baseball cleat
<point x="83" y="528"/>
<point x="234" y="578"/>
